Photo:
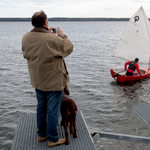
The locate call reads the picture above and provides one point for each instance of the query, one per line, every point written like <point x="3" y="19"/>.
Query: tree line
<point x="68" y="19"/>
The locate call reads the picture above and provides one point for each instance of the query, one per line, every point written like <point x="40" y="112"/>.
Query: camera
<point x="55" y="30"/>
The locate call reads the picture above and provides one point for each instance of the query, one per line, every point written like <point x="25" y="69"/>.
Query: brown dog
<point x="68" y="113"/>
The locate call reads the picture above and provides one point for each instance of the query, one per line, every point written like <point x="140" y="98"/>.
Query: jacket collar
<point x="40" y="29"/>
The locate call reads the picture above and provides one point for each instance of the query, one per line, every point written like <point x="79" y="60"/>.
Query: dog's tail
<point x="66" y="90"/>
<point x="73" y="112"/>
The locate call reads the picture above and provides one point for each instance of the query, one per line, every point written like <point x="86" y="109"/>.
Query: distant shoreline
<point x="65" y="19"/>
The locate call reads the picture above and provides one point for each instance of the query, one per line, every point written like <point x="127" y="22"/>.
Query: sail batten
<point x="135" y="41"/>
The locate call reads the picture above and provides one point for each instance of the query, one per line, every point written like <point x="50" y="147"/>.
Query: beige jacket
<point x="45" y="54"/>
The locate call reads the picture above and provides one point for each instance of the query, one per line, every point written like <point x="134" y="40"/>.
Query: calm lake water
<point x="105" y="105"/>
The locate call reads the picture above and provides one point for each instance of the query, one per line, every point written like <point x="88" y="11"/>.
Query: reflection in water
<point x="134" y="91"/>
<point x="131" y="91"/>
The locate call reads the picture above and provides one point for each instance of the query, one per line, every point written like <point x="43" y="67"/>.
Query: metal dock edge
<point x="142" y="112"/>
<point x="26" y="135"/>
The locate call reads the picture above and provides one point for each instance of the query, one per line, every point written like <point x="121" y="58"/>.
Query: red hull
<point x="123" y="78"/>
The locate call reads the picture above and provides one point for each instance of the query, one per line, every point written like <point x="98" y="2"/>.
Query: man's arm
<point x="125" y="65"/>
<point x="65" y="45"/>
<point x="138" y="69"/>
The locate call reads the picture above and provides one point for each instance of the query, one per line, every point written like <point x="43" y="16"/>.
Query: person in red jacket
<point x="132" y="66"/>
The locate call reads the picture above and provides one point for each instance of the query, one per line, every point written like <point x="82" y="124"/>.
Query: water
<point x="105" y="105"/>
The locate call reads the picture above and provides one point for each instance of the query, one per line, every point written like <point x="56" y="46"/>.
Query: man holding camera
<point x="45" y="52"/>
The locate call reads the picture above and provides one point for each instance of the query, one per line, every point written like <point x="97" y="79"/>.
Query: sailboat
<point x="135" y="43"/>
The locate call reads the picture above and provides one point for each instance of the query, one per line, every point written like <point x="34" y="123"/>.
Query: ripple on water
<point x="106" y="105"/>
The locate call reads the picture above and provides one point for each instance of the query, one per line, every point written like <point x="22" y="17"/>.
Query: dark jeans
<point x="48" y="111"/>
<point x="129" y="73"/>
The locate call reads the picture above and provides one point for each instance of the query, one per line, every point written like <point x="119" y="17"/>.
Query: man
<point x="132" y="66"/>
<point x="45" y="54"/>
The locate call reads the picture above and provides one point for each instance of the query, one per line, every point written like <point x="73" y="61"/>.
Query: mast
<point x="146" y="18"/>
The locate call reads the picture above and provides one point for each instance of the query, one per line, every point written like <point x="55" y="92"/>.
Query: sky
<point x="73" y="8"/>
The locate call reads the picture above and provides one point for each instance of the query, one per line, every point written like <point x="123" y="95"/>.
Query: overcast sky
<point x="73" y="8"/>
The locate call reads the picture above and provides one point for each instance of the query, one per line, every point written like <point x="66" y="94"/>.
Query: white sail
<point x="135" y="41"/>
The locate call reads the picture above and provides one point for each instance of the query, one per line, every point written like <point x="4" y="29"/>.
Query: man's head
<point x="39" y="19"/>
<point x="136" y="59"/>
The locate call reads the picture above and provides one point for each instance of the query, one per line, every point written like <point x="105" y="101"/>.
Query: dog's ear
<point x="66" y="90"/>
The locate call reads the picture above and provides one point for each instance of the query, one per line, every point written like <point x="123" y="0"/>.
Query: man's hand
<point x="59" y="31"/>
<point x="50" y="30"/>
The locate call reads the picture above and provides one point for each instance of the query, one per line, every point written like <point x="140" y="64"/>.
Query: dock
<point x="26" y="135"/>
<point x="142" y="112"/>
